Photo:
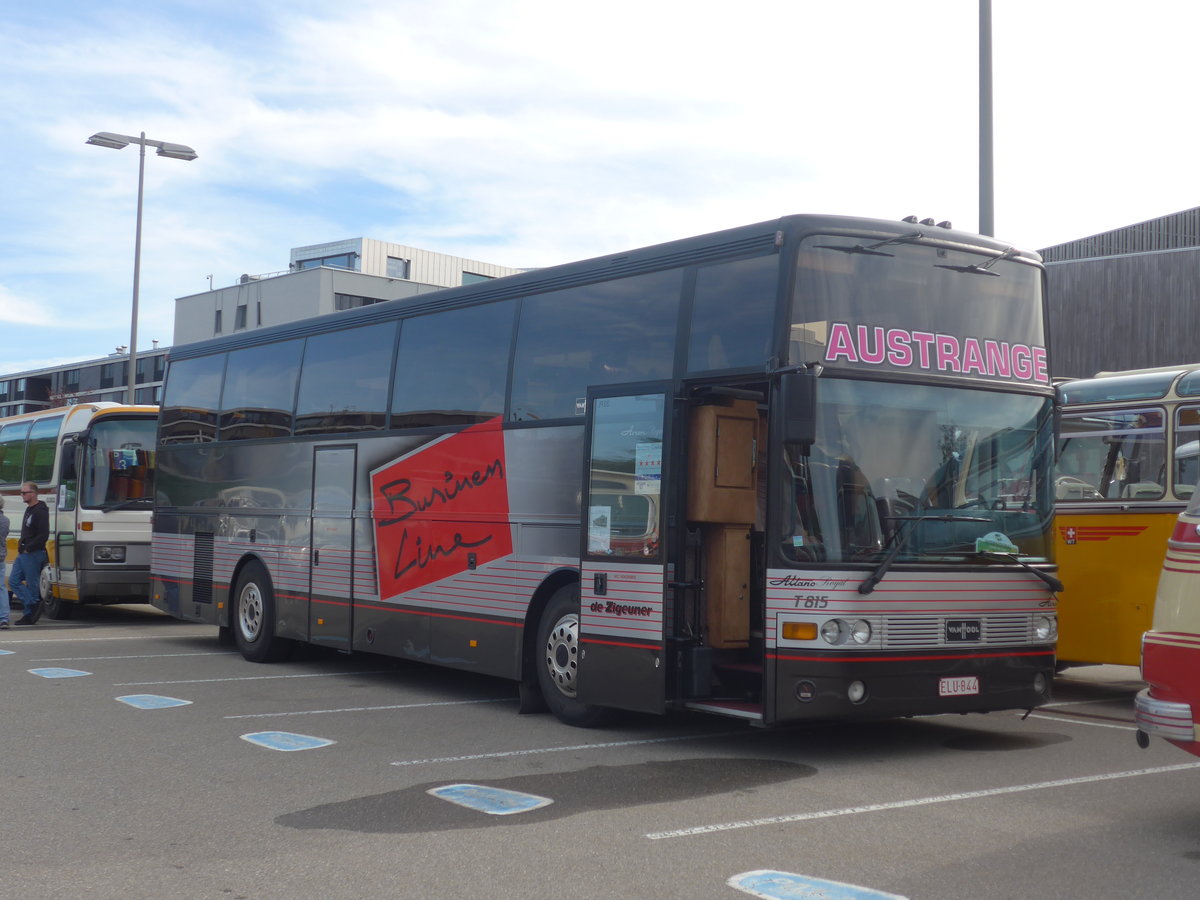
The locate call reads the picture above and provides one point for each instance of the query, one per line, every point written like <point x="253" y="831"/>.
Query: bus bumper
<point x="1165" y="719"/>
<point x="910" y="686"/>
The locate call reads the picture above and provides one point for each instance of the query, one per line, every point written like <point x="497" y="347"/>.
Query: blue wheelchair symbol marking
<point x="286" y="741"/>
<point x="490" y="800"/>
<point x="152" y="701"/>
<point x="788" y="886"/>
<point x="58" y="673"/>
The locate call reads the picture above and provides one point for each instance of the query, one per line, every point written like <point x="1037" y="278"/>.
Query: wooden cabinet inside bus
<point x="722" y="505"/>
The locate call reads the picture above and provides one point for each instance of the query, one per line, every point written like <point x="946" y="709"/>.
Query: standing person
<point x="4" y="526"/>
<point x="31" y="554"/>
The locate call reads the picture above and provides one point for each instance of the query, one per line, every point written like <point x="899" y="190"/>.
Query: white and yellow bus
<point x="1127" y="467"/>
<point x="93" y="464"/>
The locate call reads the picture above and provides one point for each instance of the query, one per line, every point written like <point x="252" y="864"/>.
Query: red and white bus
<point x="1169" y="707"/>
<point x="796" y="470"/>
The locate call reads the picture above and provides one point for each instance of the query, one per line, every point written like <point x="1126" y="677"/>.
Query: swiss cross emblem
<point x="1069" y="535"/>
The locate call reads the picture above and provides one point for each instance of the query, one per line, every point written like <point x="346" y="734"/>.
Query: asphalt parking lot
<point x="143" y="759"/>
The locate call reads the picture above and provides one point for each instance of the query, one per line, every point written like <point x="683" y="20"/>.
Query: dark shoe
<point x="35" y="613"/>
<point x="4" y="625"/>
<point x="24" y="620"/>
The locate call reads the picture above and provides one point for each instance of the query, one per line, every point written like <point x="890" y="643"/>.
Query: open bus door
<point x="624" y="614"/>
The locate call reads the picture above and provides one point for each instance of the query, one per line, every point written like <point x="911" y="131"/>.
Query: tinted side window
<point x="452" y="366"/>
<point x="260" y="388"/>
<point x="39" y="458"/>
<point x="193" y="395"/>
<point x="12" y="451"/>
<point x="733" y="313"/>
<point x="344" y="381"/>
<point x="606" y="333"/>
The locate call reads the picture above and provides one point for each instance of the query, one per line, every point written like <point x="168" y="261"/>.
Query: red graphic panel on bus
<point x="441" y="508"/>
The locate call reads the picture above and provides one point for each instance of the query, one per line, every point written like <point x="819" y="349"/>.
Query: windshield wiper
<point x="900" y="538"/>
<point x="1054" y="583"/>
<point x="873" y="249"/>
<point x="977" y="269"/>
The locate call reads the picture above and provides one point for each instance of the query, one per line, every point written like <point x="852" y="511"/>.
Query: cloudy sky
<point x="529" y="133"/>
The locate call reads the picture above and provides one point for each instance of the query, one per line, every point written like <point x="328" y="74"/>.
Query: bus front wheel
<point x="558" y="659"/>
<point x="54" y="607"/>
<point x="254" y="617"/>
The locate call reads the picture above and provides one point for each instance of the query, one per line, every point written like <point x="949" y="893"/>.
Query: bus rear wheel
<point x="558" y="660"/>
<point x="254" y="617"/>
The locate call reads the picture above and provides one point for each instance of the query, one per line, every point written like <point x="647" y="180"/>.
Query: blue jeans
<point x="3" y="596"/>
<point x="23" y="579"/>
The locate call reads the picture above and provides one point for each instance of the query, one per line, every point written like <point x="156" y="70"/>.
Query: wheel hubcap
<point x="250" y="612"/>
<point x="562" y="653"/>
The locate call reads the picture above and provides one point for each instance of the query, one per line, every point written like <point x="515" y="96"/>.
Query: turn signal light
<point x="799" y="631"/>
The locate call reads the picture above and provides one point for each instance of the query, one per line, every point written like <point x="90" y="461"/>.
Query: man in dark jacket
<point x="31" y="554"/>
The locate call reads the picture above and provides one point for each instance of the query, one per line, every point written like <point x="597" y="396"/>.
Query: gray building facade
<point x="1127" y="298"/>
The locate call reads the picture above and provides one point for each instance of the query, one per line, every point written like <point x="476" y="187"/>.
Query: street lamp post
<point x="171" y="151"/>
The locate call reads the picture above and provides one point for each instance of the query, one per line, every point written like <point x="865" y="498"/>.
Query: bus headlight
<point x="1045" y="628"/>
<point x="108" y="553"/>
<point x="834" y="631"/>
<point x="860" y="631"/>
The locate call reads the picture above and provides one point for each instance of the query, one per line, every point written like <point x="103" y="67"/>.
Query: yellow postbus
<point x="1127" y="467"/>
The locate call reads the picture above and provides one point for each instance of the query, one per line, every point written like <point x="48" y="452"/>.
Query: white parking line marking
<point x="138" y="656"/>
<point x="920" y="801"/>
<point x="535" y="750"/>
<point x="1082" y="722"/>
<point x="245" y="678"/>
<point x="78" y="640"/>
<point x="318" y="712"/>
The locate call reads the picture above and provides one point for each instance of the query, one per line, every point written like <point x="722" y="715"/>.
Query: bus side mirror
<point x="798" y="395"/>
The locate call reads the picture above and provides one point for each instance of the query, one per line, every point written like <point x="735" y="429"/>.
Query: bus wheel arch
<point x="556" y="657"/>
<point x="252" y="614"/>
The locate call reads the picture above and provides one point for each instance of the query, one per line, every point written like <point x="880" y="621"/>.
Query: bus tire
<point x="53" y="607"/>
<point x="254" y="617"/>
<point x="558" y="660"/>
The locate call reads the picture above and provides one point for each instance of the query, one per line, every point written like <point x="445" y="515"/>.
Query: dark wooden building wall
<point x="1124" y="312"/>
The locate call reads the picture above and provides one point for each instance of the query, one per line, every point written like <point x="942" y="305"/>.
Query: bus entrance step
<point x="737" y="709"/>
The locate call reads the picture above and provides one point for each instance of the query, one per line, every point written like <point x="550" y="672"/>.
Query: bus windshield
<point x="117" y="463"/>
<point x="949" y="474"/>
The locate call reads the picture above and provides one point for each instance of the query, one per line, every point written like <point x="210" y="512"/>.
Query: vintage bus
<point x="1127" y="467"/>
<point x="795" y="470"/>
<point x="1169" y="707"/>
<point x="93" y="464"/>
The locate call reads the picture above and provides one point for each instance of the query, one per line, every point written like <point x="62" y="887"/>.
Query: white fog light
<point x="1039" y="683"/>
<point x="833" y="631"/>
<point x="856" y="692"/>
<point x="860" y="631"/>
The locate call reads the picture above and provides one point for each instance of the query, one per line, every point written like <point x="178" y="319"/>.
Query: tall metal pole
<point x="986" y="187"/>
<point x="137" y="272"/>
